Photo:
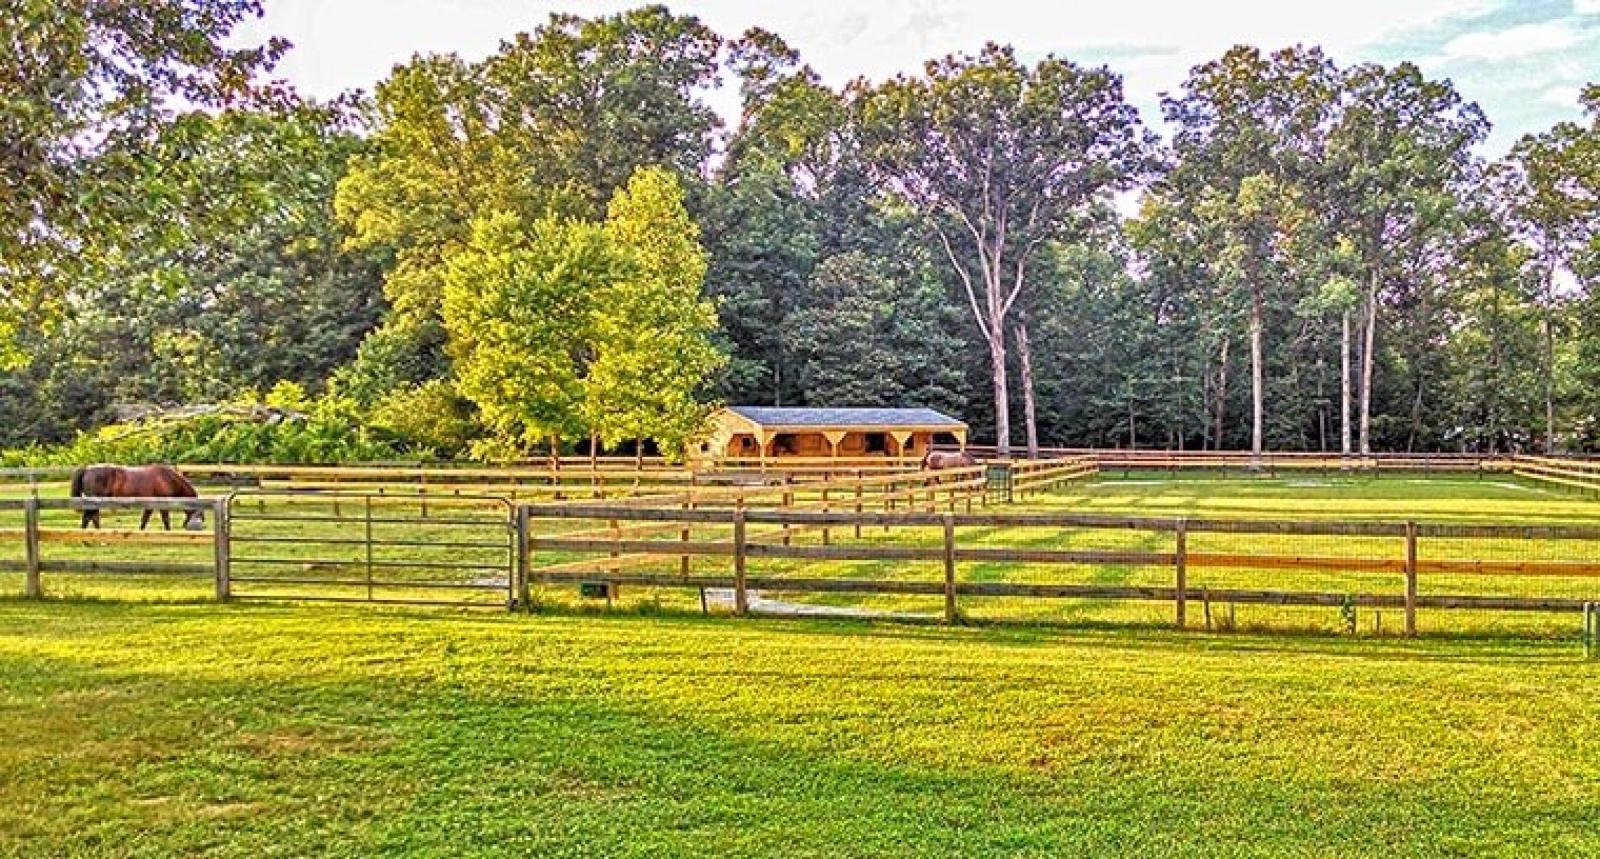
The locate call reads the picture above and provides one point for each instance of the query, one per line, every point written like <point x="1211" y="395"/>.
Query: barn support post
<point x="1411" y="579"/>
<point x="1181" y="568"/>
<point x="949" y="568"/>
<point x="741" y="597"/>
<point x="222" y="548"/>
<point x="30" y="538"/>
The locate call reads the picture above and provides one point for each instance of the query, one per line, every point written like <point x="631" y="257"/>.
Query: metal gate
<point x="379" y="548"/>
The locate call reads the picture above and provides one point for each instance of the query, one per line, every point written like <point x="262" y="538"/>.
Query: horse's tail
<point x="77" y="482"/>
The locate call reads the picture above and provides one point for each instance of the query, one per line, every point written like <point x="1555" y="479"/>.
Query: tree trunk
<point x="1549" y="379"/>
<point x="1257" y="377"/>
<point x="1002" y="395"/>
<point x="1344" y="387"/>
<point x="1029" y="413"/>
<point x="1368" y="360"/>
<point x="1222" y="396"/>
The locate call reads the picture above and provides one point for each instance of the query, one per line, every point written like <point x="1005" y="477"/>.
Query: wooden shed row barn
<point x="762" y="432"/>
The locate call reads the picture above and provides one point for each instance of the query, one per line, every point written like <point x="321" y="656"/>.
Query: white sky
<point x="1523" y="61"/>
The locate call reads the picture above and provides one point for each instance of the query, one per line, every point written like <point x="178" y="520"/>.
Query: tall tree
<point x="997" y="157"/>
<point x="652" y="348"/>
<point x="1248" y="144"/>
<point x="1550" y="198"/>
<point x="551" y="124"/>
<point x="518" y="307"/>
<point x="1400" y="158"/>
<point x="84" y="86"/>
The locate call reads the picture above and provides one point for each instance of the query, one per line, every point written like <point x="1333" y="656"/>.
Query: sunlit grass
<point x="179" y="730"/>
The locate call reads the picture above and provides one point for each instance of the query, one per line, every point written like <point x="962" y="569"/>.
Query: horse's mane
<point x="183" y="482"/>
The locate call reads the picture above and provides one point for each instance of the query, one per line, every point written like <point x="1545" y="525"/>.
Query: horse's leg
<point x="166" y="520"/>
<point x="145" y="519"/>
<point x="97" y="520"/>
<point x="88" y="516"/>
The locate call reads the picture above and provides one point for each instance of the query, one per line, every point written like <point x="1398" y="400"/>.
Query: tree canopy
<point x="561" y="243"/>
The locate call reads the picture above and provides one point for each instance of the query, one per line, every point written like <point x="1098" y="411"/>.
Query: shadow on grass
<point x="162" y="761"/>
<point x="1483" y="647"/>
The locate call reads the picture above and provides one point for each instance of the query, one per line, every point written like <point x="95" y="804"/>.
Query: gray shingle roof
<point x="847" y="417"/>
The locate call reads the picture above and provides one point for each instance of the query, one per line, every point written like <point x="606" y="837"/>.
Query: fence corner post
<point x="1181" y="569"/>
<point x="741" y="597"/>
<point x="1411" y="579"/>
<point x="30" y="526"/>
<point x="949" y="520"/>
<point x="222" y="536"/>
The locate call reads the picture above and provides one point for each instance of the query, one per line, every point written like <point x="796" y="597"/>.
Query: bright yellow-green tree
<point x="570" y="328"/>
<point x="652" y="330"/>
<point x="517" y="306"/>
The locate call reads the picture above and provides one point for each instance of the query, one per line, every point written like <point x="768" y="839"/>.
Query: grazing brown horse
<point x="145" y="481"/>
<point x="938" y="460"/>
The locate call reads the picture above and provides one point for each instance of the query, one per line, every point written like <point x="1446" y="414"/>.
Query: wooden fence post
<point x="1411" y="578"/>
<point x="30" y="537"/>
<point x="366" y="513"/>
<point x="615" y="528"/>
<point x="1588" y="629"/>
<point x="788" y="501"/>
<point x="524" y="558"/>
<point x="825" y="531"/>
<point x="1181" y="563"/>
<point x="858" y="503"/>
<point x="222" y="536"/>
<point x="949" y="568"/>
<point x="683" y="536"/>
<point x="741" y="598"/>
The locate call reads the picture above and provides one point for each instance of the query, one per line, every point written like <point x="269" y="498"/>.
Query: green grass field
<point x="137" y="729"/>
<point x="145" y="728"/>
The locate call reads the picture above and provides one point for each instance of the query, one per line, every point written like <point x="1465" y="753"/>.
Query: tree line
<point x="561" y="245"/>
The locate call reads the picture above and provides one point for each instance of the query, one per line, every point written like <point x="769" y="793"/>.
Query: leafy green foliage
<point x="652" y="347"/>
<point x="519" y="304"/>
<point x="331" y="433"/>
<point x="572" y="328"/>
<point x="549" y="126"/>
<point x="84" y="89"/>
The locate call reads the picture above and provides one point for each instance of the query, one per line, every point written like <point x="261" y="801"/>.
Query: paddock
<point x="1483" y="551"/>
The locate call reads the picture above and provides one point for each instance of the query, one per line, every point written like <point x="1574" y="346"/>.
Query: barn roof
<point x="844" y="417"/>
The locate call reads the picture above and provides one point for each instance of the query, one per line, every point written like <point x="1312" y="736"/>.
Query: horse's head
<point x="195" y="521"/>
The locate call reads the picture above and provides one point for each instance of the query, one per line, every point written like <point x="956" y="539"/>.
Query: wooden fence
<point x="488" y="552"/>
<point x="606" y="479"/>
<point x="1405" y="567"/>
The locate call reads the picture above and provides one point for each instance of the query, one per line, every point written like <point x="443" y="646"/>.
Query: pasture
<point x="139" y="729"/>
<point x="142" y="719"/>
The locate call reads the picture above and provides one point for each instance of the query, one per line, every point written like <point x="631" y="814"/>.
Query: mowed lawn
<point x="140" y="729"/>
